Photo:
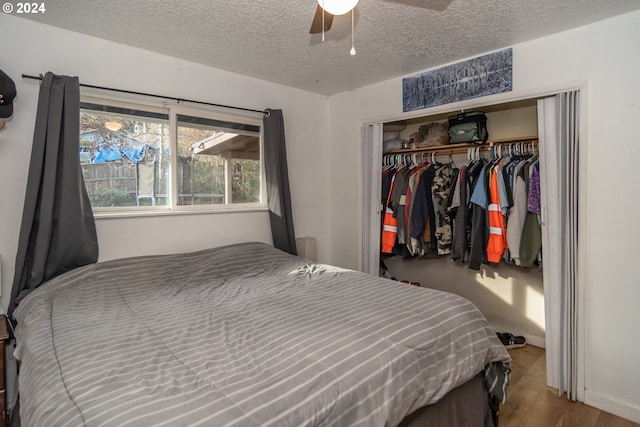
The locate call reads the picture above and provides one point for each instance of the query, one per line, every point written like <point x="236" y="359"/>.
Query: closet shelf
<point x="454" y="147"/>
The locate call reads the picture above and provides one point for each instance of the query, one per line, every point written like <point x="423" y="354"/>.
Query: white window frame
<point x="173" y="109"/>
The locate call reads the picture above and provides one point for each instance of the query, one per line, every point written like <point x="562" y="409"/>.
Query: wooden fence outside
<point x="127" y="184"/>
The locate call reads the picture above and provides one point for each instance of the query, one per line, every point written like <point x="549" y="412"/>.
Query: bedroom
<point x="326" y="130"/>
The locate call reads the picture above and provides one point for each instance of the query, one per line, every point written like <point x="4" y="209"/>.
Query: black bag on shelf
<point x="468" y="127"/>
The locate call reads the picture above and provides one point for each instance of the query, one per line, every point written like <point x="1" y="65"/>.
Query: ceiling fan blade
<point x="316" y="25"/>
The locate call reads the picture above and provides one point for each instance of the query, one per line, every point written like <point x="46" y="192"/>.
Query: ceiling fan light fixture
<point x="338" y="7"/>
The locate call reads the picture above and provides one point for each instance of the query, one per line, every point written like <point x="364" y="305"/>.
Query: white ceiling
<point x="270" y="40"/>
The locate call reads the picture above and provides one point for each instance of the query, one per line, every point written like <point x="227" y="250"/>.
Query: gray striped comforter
<point x="243" y="335"/>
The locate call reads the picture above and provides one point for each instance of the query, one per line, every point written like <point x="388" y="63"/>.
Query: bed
<point x="247" y="335"/>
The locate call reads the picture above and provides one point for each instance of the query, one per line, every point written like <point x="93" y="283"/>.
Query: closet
<point x="510" y="296"/>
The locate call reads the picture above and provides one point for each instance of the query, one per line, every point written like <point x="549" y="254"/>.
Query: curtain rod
<point x="26" y="76"/>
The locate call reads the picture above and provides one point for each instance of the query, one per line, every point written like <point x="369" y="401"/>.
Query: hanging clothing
<point x="414" y="176"/>
<point x="422" y="226"/>
<point x="440" y="195"/>
<point x="531" y="241"/>
<point x="518" y="212"/>
<point x="389" y="224"/>
<point x="497" y="233"/>
<point x="533" y="200"/>
<point x="387" y="175"/>
<point x="480" y="222"/>
<point x="459" y="210"/>
<point x="506" y="202"/>
<point x="482" y="213"/>
<point x="398" y="196"/>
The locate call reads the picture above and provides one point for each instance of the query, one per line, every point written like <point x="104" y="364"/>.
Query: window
<point x="137" y="157"/>
<point x="124" y="155"/>
<point x="218" y="162"/>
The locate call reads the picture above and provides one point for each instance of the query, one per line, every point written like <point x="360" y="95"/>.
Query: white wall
<point x="33" y="48"/>
<point x="604" y="54"/>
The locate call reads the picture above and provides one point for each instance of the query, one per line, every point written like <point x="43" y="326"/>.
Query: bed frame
<point x="469" y="405"/>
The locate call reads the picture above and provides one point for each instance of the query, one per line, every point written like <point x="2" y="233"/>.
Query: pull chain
<point x="322" y="21"/>
<point x="353" y="37"/>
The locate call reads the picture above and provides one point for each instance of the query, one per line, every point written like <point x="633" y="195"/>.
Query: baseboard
<point x="531" y="339"/>
<point x="613" y="406"/>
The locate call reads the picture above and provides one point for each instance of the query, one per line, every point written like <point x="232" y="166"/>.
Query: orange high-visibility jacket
<point x="497" y="233"/>
<point x="389" y="224"/>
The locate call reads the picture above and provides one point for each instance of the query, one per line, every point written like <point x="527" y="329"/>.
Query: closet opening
<point x="510" y="294"/>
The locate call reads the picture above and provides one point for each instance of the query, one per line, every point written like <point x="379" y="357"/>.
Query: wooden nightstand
<point x="4" y="335"/>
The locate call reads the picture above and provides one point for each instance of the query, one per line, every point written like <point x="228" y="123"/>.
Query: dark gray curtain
<point x="277" y="175"/>
<point x="58" y="232"/>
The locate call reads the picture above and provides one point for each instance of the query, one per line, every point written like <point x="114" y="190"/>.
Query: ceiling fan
<point x="326" y="10"/>
<point x="332" y="8"/>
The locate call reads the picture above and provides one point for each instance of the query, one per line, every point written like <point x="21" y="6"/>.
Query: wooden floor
<point x="532" y="404"/>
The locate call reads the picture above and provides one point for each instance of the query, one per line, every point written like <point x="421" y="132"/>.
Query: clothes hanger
<point x="434" y="158"/>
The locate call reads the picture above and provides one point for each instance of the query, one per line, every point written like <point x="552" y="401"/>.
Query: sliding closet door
<point x="559" y="143"/>
<point x="371" y="207"/>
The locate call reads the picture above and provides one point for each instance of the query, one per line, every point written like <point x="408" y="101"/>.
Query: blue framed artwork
<point x="481" y="76"/>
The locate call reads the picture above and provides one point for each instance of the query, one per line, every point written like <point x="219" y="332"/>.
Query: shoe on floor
<point x="511" y="341"/>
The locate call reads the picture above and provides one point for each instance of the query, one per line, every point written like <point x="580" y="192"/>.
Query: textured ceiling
<point x="270" y="40"/>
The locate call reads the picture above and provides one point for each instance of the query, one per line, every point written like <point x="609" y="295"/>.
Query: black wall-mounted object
<point x="7" y="95"/>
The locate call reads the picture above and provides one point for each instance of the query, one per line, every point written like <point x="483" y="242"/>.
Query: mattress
<point x="242" y="335"/>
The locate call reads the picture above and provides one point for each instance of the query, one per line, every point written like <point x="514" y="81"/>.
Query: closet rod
<point x="440" y="152"/>
<point x="463" y="148"/>
<point x="131" y="92"/>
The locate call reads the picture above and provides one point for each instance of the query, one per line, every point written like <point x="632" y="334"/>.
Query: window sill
<point x="101" y="213"/>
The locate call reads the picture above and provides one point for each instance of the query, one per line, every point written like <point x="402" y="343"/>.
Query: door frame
<point x="372" y="148"/>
